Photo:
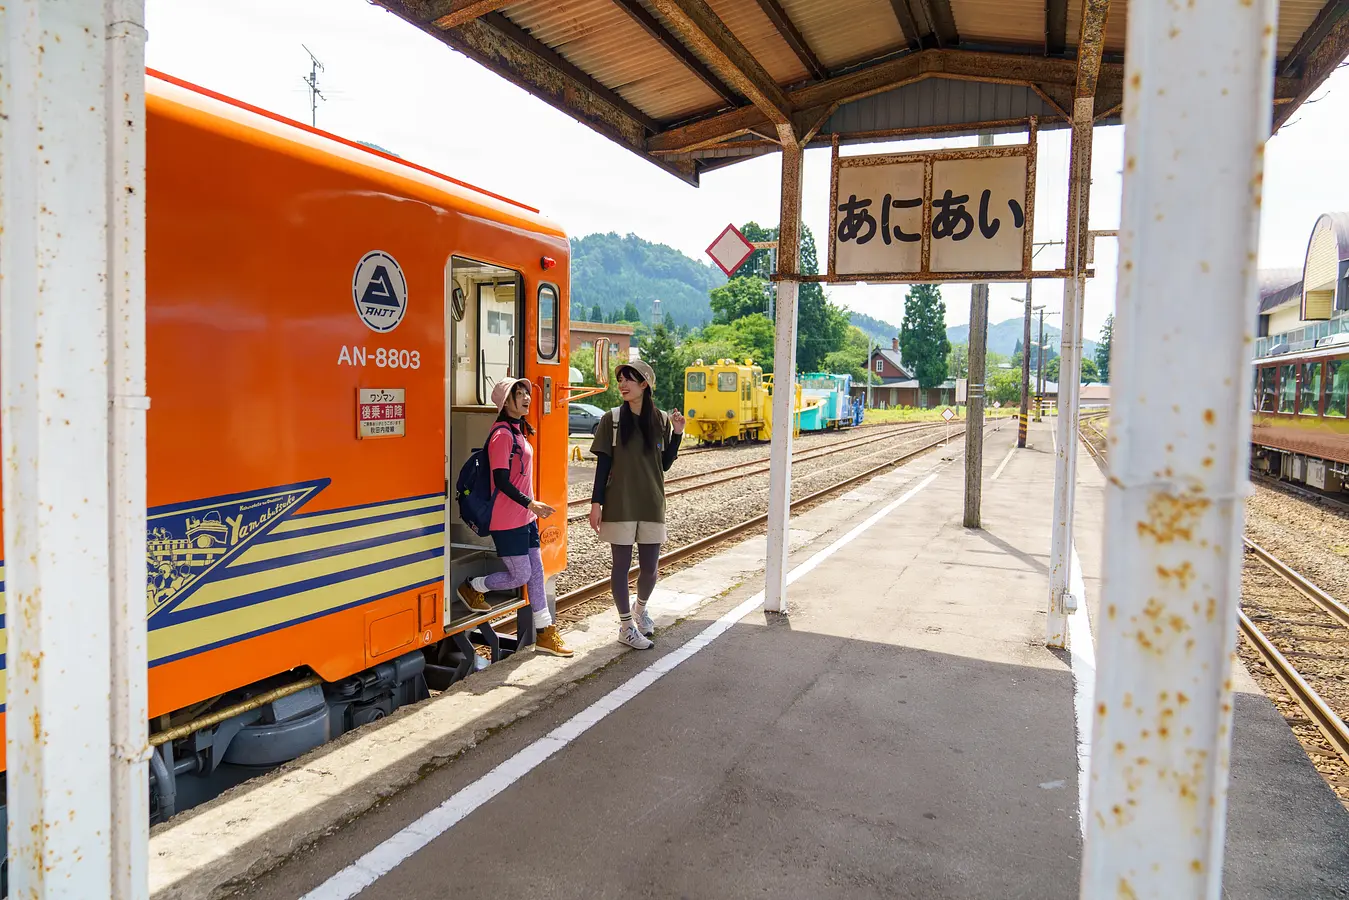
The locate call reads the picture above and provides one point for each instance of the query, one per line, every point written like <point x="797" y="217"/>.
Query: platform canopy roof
<point x="694" y="85"/>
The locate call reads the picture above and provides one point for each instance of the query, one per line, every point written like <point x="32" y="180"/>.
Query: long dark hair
<point x="646" y="420"/>
<point x="503" y="416"/>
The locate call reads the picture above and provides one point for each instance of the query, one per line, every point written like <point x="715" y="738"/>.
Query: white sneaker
<point x="642" y="619"/>
<point x="628" y="634"/>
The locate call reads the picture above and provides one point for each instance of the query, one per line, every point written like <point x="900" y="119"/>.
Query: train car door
<point x="485" y="338"/>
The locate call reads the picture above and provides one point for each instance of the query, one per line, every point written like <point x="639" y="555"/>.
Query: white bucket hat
<point x="502" y="389"/>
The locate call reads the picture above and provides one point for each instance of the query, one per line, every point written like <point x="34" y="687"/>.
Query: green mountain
<point x="1003" y="336"/>
<point x="879" y="329"/>
<point x="612" y="271"/>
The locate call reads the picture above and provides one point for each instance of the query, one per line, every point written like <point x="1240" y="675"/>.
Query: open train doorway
<point x="485" y="328"/>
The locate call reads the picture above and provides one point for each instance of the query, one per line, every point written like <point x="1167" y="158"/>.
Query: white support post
<point x="129" y="406"/>
<point x="784" y="378"/>
<point x="72" y="193"/>
<point x="1197" y="115"/>
<point x="1070" y="373"/>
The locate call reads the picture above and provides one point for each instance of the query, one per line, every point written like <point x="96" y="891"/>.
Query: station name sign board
<point x="946" y="215"/>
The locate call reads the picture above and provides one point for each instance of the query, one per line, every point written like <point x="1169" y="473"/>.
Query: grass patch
<point x="913" y="414"/>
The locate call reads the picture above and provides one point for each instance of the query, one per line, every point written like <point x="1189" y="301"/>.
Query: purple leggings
<point x="528" y="571"/>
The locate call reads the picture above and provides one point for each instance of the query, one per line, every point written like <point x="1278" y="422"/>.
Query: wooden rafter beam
<point x="943" y="22"/>
<point x="1326" y="20"/>
<point x="643" y="17"/>
<point x="1056" y="27"/>
<point x="792" y="35"/>
<point x="907" y="24"/>
<point x="694" y="21"/>
<point x="1003" y="67"/>
<point x="453" y="13"/>
<point x="1090" y="45"/>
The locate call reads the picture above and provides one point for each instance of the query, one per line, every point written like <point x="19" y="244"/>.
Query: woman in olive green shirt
<point x="634" y="447"/>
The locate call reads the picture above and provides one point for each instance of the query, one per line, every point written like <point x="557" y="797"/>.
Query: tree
<point x="751" y="336"/>
<point x="851" y="359"/>
<point x="1004" y="386"/>
<point x="958" y="361"/>
<point x="660" y="353"/>
<point x="596" y="314"/>
<point x="821" y="327"/>
<point x="922" y="335"/>
<point x="1089" y="373"/>
<point x="1103" y="349"/>
<point x="630" y="313"/>
<point x="739" y="297"/>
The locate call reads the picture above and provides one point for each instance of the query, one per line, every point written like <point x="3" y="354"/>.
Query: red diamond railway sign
<point x="730" y="250"/>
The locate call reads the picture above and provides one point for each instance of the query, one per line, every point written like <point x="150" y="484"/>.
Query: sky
<point x="390" y="84"/>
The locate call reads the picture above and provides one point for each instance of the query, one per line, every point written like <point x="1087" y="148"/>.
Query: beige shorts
<point x="632" y="532"/>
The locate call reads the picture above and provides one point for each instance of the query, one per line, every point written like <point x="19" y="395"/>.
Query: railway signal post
<point x="1198" y="114"/>
<point x="72" y="317"/>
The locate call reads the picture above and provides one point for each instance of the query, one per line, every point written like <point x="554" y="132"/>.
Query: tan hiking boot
<point x="473" y="598"/>
<point x="549" y="640"/>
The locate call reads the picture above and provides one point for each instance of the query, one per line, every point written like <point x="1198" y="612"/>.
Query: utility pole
<point x="312" y="82"/>
<point x="1040" y="365"/>
<point x="1025" y="372"/>
<point x="974" y="414"/>
<point x="871" y="366"/>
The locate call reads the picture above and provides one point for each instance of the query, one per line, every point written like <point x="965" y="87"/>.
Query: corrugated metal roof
<point x="747" y="21"/>
<point x="648" y="88"/>
<point x="599" y="38"/>
<point x="845" y="32"/>
<point x="1001" y="21"/>
<point x="1295" y="16"/>
<point x="937" y="101"/>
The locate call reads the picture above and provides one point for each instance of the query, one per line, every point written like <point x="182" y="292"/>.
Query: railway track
<point x="600" y="587"/>
<point x="578" y="509"/>
<point x="1295" y="643"/>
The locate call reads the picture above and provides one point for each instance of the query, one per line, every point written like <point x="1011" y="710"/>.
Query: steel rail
<point x="763" y="464"/>
<point x="601" y="587"/>
<point x="1299" y="582"/>
<point x="1321" y="715"/>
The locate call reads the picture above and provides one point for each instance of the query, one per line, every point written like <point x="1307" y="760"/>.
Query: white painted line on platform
<point x="365" y="871"/>
<point x="1082" y="652"/>
<point x="1005" y="460"/>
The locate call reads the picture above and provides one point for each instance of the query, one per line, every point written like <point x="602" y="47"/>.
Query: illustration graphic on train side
<point x="186" y="543"/>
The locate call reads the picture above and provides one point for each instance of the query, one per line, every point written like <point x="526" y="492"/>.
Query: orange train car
<point x="1300" y="420"/>
<point x="324" y="325"/>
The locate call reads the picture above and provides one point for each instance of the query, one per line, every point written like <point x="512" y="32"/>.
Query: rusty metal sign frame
<point x="928" y="157"/>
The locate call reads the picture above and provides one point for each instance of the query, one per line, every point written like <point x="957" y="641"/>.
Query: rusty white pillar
<point x="72" y="364"/>
<point x="784" y="376"/>
<point x="1061" y="603"/>
<point x="1197" y="115"/>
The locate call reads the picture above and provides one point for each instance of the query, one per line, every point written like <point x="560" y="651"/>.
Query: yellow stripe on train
<point x="246" y="620"/>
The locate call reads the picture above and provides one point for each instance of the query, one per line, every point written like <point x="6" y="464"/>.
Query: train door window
<point x="696" y="383"/>
<point x="548" y="307"/>
<point x="1287" y="389"/>
<point x="726" y="381"/>
<point x="1310" y="401"/>
<point x="1337" y="388"/>
<point x="1268" y="390"/>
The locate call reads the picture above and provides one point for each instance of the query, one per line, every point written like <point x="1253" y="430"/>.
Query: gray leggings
<point x="647" y="557"/>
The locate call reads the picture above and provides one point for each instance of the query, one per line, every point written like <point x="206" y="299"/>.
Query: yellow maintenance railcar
<point x="728" y="401"/>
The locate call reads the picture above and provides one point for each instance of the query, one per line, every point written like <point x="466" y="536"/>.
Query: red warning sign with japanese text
<point x="380" y="413"/>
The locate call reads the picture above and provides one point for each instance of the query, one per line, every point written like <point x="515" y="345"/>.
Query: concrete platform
<point x="903" y="733"/>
